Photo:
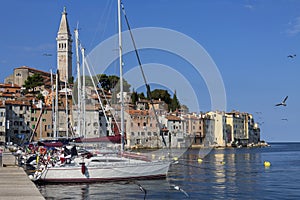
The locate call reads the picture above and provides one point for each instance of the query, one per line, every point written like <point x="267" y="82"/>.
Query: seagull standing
<point x="283" y="102"/>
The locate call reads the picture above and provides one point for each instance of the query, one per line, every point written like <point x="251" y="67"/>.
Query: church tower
<point x="64" y="49"/>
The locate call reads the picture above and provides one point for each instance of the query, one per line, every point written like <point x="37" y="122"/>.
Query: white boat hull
<point x="106" y="172"/>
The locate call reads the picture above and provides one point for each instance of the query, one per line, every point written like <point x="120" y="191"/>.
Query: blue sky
<point x="249" y="42"/>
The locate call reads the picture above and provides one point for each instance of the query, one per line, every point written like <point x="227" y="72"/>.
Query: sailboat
<point x="103" y="167"/>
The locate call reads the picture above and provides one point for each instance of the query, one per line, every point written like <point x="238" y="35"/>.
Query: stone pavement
<point x="14" y="182"/>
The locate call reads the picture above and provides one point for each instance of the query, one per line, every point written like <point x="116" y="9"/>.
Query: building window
<point x="33" y="126"/>
<point x="149" y="134"/>
<point x="132" y="133"/>
<point x="144" y="124"/>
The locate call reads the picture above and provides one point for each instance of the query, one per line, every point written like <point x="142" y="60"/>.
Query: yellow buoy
<point x="175" y="158"/>
<point x="199" y="160"/>
<point x="267" y="164"/>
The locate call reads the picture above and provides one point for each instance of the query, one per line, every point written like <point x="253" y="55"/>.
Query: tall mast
<point x="83" y="91"/>
<point x="79" y="83"/>
<point x="121" y="75"/>
<point x="67" y="116"/>
<point x="52" y="100"/>
<point x="56" y="105"/>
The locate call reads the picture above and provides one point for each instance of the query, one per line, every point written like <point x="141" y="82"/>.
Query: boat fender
<point x="43" y="150"/>
<point x="83" y="167"/>
<point x="68" y="160"/>
<point x="267" y="164"/>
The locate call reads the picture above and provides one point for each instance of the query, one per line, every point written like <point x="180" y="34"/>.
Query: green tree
<point x="112" y="83"/>
<point x="174" y="105"/>
<point x="161" y="94"/>
<point x="32" y="82"/>
<point x="40" y="97"/>
<point x="141" y="96"/>
<point x="134" y="97"/>
<point x="104" y="81"/>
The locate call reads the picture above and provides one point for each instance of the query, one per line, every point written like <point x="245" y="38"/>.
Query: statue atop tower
<point x="64" y="49"/>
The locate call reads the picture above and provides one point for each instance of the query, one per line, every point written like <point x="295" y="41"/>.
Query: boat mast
<point x="67" y="116"/>
<point x="52" y="100"/>
<point x="79" y="84"/>
<point x="56" y="106"/>
<point x="121" y="75"/>
<point x="83" y="91"/>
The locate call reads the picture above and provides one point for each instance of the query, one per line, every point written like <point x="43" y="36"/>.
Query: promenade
<point x="14" y="182"/>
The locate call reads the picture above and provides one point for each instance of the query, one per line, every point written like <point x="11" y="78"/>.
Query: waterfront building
<point x="236" y="132"/>
<point x="141" y="129"/>
<point x="218" y="133"/>
<point x="195" y="127"/>
<point x="241" y="128"/>
<point x="209" y="130"/>
<point x="177" y="134"/>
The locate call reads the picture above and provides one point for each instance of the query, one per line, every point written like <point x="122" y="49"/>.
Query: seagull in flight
<point x="47" y="54"/>
<point x="175" y="187"/>
<point x="291" y="56"/>
<point x="283" y="102"/>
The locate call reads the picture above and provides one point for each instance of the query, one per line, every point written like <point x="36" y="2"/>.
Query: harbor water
<point x="231" y="173"/>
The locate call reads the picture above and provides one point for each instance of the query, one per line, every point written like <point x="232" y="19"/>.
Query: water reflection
<point x="223" y="174"/>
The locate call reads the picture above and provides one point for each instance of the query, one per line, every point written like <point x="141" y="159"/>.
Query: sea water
<point x="230" y="173"/>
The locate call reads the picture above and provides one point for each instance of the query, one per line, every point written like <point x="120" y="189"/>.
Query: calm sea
<point x="223" y="174"/>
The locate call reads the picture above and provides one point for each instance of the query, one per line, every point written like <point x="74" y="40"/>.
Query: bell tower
<point x="64" y="49"/>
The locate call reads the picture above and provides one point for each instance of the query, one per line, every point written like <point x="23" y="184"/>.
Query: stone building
<point x="21" y="74"/>
<point x="195" y="127"/>
<point x="18" y="114"/>
<point x="2" y="122"/>
<point x="64" y="49"/>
